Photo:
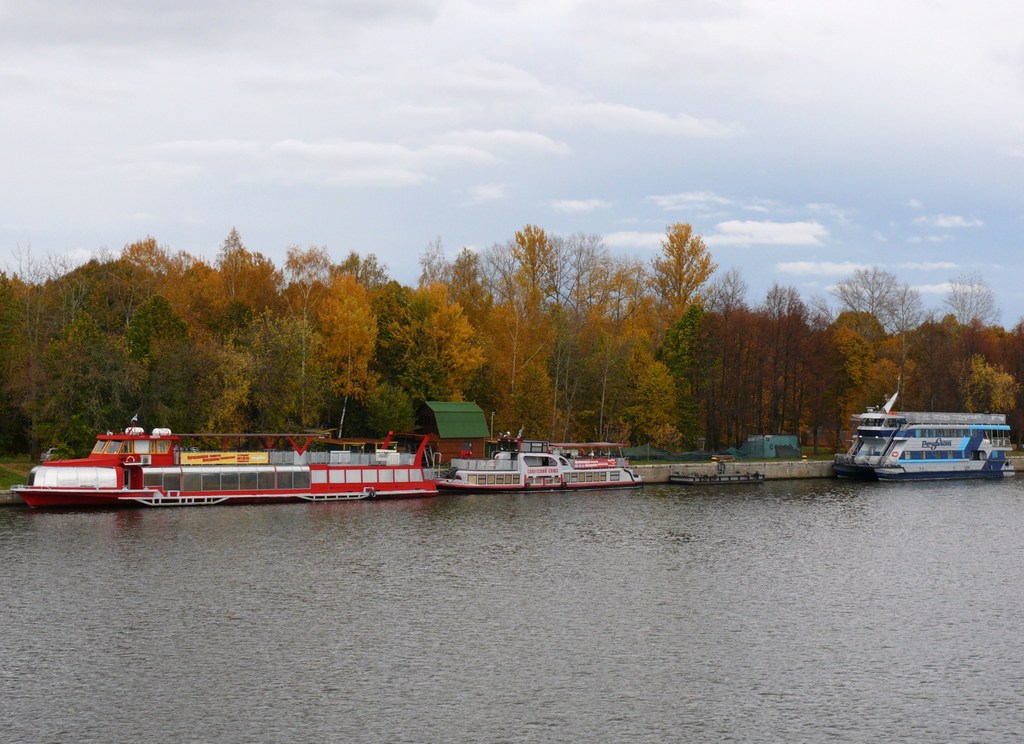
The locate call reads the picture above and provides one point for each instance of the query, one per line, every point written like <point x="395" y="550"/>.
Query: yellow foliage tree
<point x="683" y="267"/>
<point x="232" y="379"/>
<point x="448" y="333"/>
<point x="349" y="330"/>
<point x="987" y="387"/>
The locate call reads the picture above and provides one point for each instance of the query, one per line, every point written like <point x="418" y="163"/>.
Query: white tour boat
<point x="900" y="445"/>
<point x="159" y="469"/>
<point x="534" y="465"/>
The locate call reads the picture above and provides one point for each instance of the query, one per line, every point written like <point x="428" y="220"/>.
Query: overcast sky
<point x="803" y="139"/>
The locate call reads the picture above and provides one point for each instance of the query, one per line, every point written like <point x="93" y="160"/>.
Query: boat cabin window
<point x="115" y="447"/>
<point x="536" y="461"/>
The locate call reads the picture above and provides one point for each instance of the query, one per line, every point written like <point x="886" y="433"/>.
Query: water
<point x="794" y="611"/>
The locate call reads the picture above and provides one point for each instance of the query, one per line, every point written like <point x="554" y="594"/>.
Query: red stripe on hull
<point x="534" y="489"/>
<point x="40" y="498"/>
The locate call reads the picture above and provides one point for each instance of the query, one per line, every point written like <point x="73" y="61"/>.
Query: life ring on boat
<point x="130" y="459"/>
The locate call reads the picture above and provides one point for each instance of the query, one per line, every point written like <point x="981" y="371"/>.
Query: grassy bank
<point x="13" y="471"/>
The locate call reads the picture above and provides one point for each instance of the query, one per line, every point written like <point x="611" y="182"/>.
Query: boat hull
<point x="455" y="485"/>
<point x="44" y="498"/>
<point x="855" y="472"/>
<point x="717" y="480"/>
<point x="902" y="474"/>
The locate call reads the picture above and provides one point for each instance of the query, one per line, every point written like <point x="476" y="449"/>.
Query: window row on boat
<point x="968" y="432"/>
<point x="227" y="478"/>
<point x="131" y="446"/>
<point x="493" y="479"/>
<point x="73" y="477"/>
<point x="598" y="476"/>
<point x="270" y="478"/>
<point x="948" y="455"/>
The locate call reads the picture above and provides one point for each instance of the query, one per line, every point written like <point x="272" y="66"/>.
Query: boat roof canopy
<point x="591" y="445"/>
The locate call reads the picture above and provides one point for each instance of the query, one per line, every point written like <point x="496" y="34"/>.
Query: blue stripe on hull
<point x="946" y="475"/>
<point x="854" y="472"/>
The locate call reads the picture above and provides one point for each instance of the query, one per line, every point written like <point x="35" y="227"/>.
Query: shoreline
<point x="657" y="474"/>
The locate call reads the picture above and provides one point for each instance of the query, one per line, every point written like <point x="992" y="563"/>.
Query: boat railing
<point x="460" y="463"/>
<point x="342" y="457"/>
<point x="916" y="418"/>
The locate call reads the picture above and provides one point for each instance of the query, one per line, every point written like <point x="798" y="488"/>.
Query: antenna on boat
<point x="888" y="406"/>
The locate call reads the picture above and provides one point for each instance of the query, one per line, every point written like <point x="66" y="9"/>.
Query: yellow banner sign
<point x="225" y="458"/>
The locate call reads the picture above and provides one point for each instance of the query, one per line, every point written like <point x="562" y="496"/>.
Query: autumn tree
<point x="971" y="299"/>
<point x="35" y="325"/>
<point x="93" y="385"/>
<point x="624" y="323"/>
<point x="679" y="273"/>
<point x="278" y="398"/>
<point x="248" y="284"/>
<point x="986" y="387"/>
<point x="727" y="328"/>
<point x="389" y="408"/>
<point x="652" y="411"/>
<point x="577" y="313"/>
<point x="878" y="293"/>
<point x="520" y="334"/>
<point x="233" y="369"/>
<point x="306" y="274"/>
<point x="367" y="270"/>
<point x="349" y="329"/>
<point x="11" y="422"/>
<point x="434" y="265"/>
<point x="681" y="354"/>
<point x="158" y="341"/>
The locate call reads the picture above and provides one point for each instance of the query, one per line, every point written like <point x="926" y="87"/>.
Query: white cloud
<point x="506" y="141"/>
<point x="339" y="162"/>
<point x="948" y="221"/>
<point x="690" y="201"/>
<point x="749" y="232"/>
<point x="762" y="206"/>
<point x="819" y="268"/>
<point x="633" y="239"/>
<point x="930" y="239"/>
<point x="927" y="265"/>
<point x="579" y="206"/>
<point x="933" y="289"/>
<point x="615" y="117"/>
<point x="488" y="192"/>
<point x="838" y="214"/>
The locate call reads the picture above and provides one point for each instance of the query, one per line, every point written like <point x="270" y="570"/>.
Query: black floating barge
<point x="717" y="479"/>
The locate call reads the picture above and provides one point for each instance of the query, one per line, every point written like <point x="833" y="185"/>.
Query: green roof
<point x="458" y="420"/>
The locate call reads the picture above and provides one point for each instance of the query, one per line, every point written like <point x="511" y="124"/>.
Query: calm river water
<point x="783" y="612"/>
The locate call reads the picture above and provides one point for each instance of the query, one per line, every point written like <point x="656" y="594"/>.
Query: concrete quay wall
<point x="773" y="470"/>
<point x="660" y="473"/>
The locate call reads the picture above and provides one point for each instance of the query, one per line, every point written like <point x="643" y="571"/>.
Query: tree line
<point x="555" y="336"/>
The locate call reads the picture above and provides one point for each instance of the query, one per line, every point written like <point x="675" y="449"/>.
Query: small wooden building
<point x="457" y="429"/>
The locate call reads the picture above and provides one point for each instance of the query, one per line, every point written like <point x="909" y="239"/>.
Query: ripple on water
<point x="798" y="611"/>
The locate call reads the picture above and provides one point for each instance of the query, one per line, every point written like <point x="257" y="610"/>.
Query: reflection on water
<point x="794" y="611"/>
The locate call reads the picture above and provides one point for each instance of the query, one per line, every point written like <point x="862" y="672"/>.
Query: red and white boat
<point x="534" y="465"/>
<point x="139" y="469"/>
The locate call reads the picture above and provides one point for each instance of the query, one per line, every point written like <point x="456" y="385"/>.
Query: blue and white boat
<point x="900" y="445"/>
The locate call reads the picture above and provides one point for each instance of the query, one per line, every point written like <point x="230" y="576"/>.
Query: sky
<point x="802" y="139"/>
